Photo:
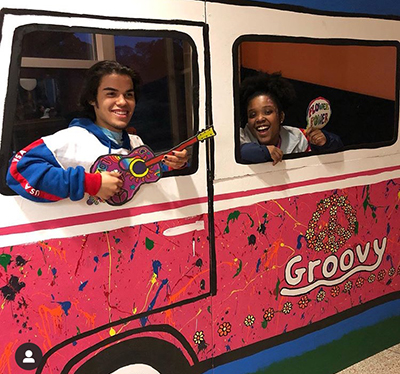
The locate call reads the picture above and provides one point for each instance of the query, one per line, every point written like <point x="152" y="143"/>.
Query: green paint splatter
<point x="5" y="260"/>
<point x="367" y="204"/>
<point x="232" y="217"/>
<point x="356" y="227"/>
<point x="149" y="244"/>
<point x="39" y="272"/>
<point x="209" y="309"/>
<point x="239" y="269"/>
<point x="264" y="323"/>
<point x="78" y="330"/>
<point x="251" y="219"/>
<point x="277" y="289"/>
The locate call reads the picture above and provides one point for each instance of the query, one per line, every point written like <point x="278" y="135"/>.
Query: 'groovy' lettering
<point x="330" y="266"/>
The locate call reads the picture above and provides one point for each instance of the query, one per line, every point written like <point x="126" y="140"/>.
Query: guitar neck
<point x="179" y="147"/>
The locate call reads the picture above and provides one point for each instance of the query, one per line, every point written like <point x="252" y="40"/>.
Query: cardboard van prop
<point x="223" y="266"/>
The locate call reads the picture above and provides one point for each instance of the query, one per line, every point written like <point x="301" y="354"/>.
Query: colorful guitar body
<point x="138" y="167"/>
<point x="133" y="169"/>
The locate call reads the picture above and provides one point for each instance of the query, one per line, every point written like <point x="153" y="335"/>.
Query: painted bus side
<point x="212" y="271"/>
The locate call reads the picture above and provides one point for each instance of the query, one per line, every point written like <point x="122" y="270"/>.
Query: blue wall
<point x="369" y="7"/>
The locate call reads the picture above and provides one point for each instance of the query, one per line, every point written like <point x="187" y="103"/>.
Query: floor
<point x="385" y="362"/>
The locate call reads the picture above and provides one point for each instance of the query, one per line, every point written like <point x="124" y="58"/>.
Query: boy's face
<point x="264" y="119"/>
<point x="115" y="102"/>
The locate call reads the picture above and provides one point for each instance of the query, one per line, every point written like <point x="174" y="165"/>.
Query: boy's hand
<point x="177" y="159"/>
<point x="276" y="154"/>
<point x="110" y="184"/>
<point x="316" y="136"/>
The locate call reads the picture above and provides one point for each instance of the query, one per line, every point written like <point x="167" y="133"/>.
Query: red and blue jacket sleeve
<point x="35" y="174"/>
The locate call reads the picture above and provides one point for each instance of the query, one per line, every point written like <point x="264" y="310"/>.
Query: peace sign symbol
<point x="331" y="235"/>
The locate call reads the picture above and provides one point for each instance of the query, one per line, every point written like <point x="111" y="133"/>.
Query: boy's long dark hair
<point x="274" y="85"/>
<point x="93" y="79"/>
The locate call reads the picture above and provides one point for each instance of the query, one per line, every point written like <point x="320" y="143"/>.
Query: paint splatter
<point x="5" y="260"/>
<point x="156" y="267"/>
<point x="299" y="241"/>
<point x="258" y="265"/>
<point x="239" y="269"/>
<point x="96" y="260"/>
<point x="12" y="288"/>
<point x="252" y="239"/>
<point x="232" y="217"/>
<point x="144" y="320"/>
<point x="20" y="261"/>
<point x="83" y="285"/>
<point x="277" y="289"/>
<point x="149" y="244"/>
<point x="66" y="306"/>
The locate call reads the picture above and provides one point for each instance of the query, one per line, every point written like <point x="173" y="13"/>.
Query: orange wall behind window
<point x="369" y="70"/>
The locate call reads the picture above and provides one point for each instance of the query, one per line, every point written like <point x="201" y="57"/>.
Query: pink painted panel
<point x="280" y="265"/>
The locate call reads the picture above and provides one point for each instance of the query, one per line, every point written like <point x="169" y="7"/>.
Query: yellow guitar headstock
<point x="204" y="134"/>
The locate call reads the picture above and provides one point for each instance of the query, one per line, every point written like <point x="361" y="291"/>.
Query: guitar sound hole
<point x="139" y="168"/>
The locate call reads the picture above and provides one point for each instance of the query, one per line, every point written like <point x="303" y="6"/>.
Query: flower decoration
<point x="249" y="320"/>
<point x="269" y="314"/>
<point x="381" y="274"/>
<point x="348" y="286"/>
<point x="371" y="278"/>
<point x="287" y="307"/>
<point x="392" y="271"/>
<point x="198" y="337"/>
<point x="321" y="295"/>
<point x="359" y="282"/>
<point x="335" y="291"/>
<point x="224" y="329"/>
<point x="303" y="302"/>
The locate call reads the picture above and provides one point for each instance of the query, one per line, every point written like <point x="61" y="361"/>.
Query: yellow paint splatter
<point x="112" y="332"/>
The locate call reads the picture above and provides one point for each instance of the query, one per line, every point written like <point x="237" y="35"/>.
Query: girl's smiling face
<point x="264" y="119"/>
<point x="115" y="102"/>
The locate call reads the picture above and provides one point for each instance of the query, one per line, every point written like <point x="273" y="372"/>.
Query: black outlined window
<point x="49" y="64"/>
<point x="359" y="78"/>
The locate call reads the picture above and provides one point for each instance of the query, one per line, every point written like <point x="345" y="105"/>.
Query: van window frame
<point x="306" y="40"/>
<point x="17" y="62"/>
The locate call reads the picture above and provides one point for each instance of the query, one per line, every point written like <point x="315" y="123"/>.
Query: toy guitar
<point x="138" y="167"/>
